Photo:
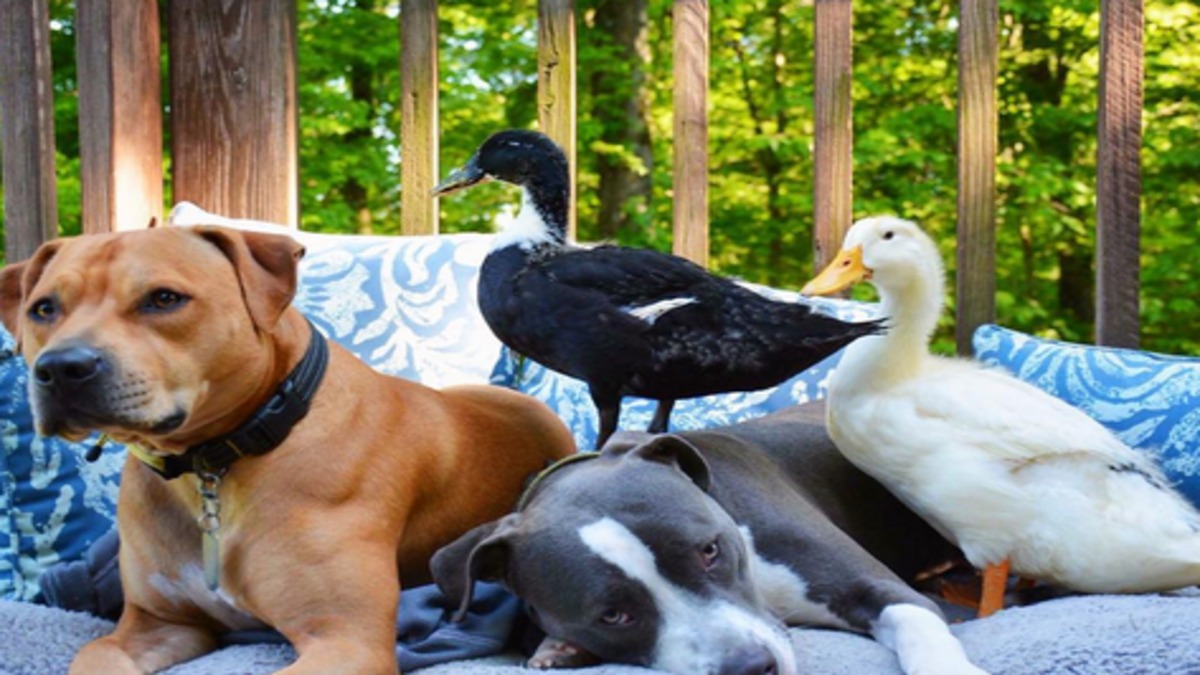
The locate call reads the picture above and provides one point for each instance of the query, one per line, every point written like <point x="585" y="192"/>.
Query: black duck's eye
<point x="889" y="234"/>
<point x="44" y="310"/>
<point x="615" y="617"/>
<point x="710" y="553"/>
<point x="163" y="300"/>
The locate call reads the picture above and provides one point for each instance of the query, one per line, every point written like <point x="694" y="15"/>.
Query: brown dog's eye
<point x="163" y="300"/>
<point x="44" y="310"/>
<point x="710" y="553"/>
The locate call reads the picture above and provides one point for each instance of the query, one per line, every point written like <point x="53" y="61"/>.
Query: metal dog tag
<point x="211" y="545"/>
<point x="210" y="528"/>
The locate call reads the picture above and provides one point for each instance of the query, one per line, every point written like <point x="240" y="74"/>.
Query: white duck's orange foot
<point x="995" y="583"/>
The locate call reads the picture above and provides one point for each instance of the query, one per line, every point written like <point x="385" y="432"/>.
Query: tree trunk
<point x="620" y="103"/>
<point x="361" y="89"/>
<point x="1045" y="82"/>
<point x="1076" y="285"/>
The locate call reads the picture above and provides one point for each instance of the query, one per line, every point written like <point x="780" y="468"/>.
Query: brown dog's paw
<point x="556" y="653"/>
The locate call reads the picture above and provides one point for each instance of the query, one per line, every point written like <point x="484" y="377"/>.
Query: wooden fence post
<point x="556" y="83"/>
<point x="418" y="116"/>
<point x="233" y="107"/>
<point x="833" y="166"/>
<point x="27" y="117"/>
<point x="977" y="122"/>
<point x="1118" y="188"/>
<point x="690" y="234"/>
<point x="120" y="121"/>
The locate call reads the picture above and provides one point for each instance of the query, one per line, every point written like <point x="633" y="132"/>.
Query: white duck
<point x="1009" y="473"/>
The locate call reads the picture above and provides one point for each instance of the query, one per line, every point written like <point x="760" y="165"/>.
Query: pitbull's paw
<point x="555" y="653"/>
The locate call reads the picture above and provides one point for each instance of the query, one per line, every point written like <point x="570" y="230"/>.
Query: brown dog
<point x="169" y="338"/>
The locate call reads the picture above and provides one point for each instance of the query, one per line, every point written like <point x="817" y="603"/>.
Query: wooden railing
<point x="233" y="126"/>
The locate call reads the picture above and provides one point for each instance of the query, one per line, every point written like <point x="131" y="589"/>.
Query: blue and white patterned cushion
<point x="404" y="305"/>
<point x="1150" y="401"/>
<point x="53" y="504"/>
<point x="569" y="399"/>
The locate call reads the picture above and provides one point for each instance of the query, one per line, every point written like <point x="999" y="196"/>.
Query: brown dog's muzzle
<point x="76" y="388"/>
<point x="66" y="369"/>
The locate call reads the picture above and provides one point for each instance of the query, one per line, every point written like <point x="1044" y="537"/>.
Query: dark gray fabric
<point x="424" y="634"/>
<point x="91" y="585"/>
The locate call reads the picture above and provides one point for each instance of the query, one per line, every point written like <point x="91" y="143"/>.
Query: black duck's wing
<point x="629" y="277"/>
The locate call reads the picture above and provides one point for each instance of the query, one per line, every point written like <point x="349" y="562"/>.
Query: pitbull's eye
<point x="710" y="553"/>
<point x="44" y="310"/>
<point x="163" y="300"/>
<point x="615" y="617"/>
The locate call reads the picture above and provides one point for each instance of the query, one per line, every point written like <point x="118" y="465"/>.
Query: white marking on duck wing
<point x="654" y="311"/>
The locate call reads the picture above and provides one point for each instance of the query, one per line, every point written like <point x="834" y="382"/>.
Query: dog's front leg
<point x="142" y="643"/>
<point x="922" y="641"/>
<point x="341" y="615"/>
<point x="557" y="653"/>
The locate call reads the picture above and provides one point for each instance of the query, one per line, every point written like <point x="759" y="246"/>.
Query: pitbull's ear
<point x="625" y="440"/>
<point x="675" y="451"/>
<point x="479" y="555"/>
<point x="17" y="280"/>
<point x="266" y="268"/>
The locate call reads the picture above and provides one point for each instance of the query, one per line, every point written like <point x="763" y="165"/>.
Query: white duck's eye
<point x="888" y="235"/>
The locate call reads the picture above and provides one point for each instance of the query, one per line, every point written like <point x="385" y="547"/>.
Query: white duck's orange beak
<point x="846" y="270"/>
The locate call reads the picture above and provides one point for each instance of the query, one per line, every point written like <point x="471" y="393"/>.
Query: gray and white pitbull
<point x="690" y="552"/>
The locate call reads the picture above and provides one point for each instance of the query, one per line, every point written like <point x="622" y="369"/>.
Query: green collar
<point x="545" y="473"/>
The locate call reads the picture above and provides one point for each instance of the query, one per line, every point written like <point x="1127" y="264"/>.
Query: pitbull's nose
<point x="67" y="366"/>
<point x="750" y="661"/>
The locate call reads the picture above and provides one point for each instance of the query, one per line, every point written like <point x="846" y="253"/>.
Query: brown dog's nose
<point x="67" y="366"/>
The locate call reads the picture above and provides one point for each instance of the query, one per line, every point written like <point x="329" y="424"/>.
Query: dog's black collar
<point x="264" y="431"/>
<point x="542" y="475"/>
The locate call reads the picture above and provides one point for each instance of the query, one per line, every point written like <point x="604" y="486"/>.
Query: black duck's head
<point x="517" y="156"/>
<point x="525" y="158"/>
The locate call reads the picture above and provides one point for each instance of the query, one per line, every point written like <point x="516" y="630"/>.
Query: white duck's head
<point x="901" y="261"/>
<point x="890" y="252"/>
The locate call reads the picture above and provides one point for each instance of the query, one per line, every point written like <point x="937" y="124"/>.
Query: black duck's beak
<point x="462" y="178"/>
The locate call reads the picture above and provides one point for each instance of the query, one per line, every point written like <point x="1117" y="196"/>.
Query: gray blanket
<point x="1097" y="635"/>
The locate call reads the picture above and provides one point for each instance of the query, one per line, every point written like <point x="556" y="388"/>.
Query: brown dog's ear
<point x="266" y="268"/>
<point x="675" y="451"/>
<point x="481" y="554"/>
<point x="17" y="280"/>
<point x="10" y="295"/>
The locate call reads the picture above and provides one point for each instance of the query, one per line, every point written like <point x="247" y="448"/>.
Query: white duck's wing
<point x="1013" y="420"/>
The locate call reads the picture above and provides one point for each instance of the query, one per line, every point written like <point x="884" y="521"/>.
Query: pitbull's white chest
<point x="189" y="588"/>
<point x="786" y="593"/>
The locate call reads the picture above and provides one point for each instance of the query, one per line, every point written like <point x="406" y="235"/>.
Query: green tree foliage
<point x="761" y="128"/>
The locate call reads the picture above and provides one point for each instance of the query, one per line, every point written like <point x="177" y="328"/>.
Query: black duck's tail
<point x="828" y="334"/>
